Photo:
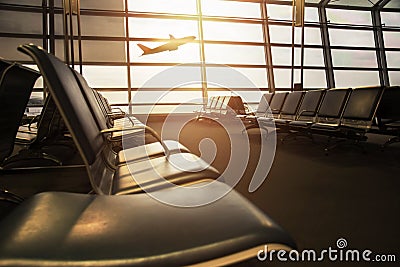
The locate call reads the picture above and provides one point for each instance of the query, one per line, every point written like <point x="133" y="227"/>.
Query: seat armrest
<point x="142" y="127"/>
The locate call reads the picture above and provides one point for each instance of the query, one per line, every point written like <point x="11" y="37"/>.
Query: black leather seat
<point x="330" y="113"/>
<point x="306" y="115"/>
<point x="16" y="85"/>
<point x="90" y="135"/>
<point x="276" y="105"/>
<point x="388" y="114"/>
<point x="289" y="109"/>
<point x="65" y="229"/>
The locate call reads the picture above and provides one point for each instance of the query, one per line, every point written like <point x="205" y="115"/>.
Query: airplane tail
<point x="144" y="48"/>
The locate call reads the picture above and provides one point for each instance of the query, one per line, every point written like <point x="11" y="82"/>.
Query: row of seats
<point x="120" y="225"/>
<point x="338" y="113"/>
<point x="222" y="106"/>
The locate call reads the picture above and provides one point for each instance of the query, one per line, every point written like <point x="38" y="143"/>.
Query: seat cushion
<point x="151" y="174"/>
<point x="149" y="151"/>
<point x="65" y="229"/>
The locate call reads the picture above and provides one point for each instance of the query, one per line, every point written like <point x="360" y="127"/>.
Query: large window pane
<point x="284" y="12"/>
<point x="393" y="59"/>
<point x="350" y="78"/>
<point x="95" y="26"/>
<point x="234" y="54"/>
<point x="283" y="77"/>
<point x="20" y="22"/>
<point x="230" y="8"/>
<point x="358" y="38"/>
<point x="283" y="56"/>
<point x="161" y="28"/>
<point x="226" y="31"/>
<point x="162" y="6"/>
<point x="390" y="19"/>
<point x="117" y="97"/>
<point x="283" y="34"/>
<point x="96" y="4"/>
<point x="394" y="77"/>
<point x="96" y="51"/>
<point x="354" y="58"/>
<point x="392" y="39"/>
<point x="106" y="76"/>
<point x="349" y="16"/>
<point x="250" y="78"/>
<point x="161" y="77"/>
<point x="9" y="48"/>
<point x="314" y="79"/>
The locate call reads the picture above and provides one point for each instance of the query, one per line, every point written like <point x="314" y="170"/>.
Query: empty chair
<point x="360" y="111"/>
<point x="331" y="111"/>
<point x="16" y="85"/>
<point x="289" y="109"/>
<point x="306" y="115"/>
<point x="90" y="136"/>
<point x="388" y="114"/>
<point x="276" y="105"/>
<point x="65" y="229"/>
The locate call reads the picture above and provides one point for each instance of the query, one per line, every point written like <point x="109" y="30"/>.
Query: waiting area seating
<point x="342" y="114"/>
<point x="119" y="225"/>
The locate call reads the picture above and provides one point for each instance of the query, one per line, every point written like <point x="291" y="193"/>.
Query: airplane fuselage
<point x="171" y="45"/>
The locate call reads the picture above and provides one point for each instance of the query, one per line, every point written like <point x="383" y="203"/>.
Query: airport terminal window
<point x="232" y="32"/>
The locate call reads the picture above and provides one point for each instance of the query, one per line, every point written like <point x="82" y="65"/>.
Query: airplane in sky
<point x="172" y="44"/>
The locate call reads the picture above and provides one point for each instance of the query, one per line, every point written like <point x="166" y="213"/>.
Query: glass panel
<point x="23" y="2"/>
<point x="355" y="17"/>
<point x="358" y="38"/>
<point x="352" y="78"/>
<point x="394" y="77"/>
<point x="354" y="58"/>
<point x="251" y="78"/>
<point x="9" y="48"/>
<point x="171" y="96"/>
<point x="96" y="51"/>
<point x="105" y="76"/>
<point x="230" y="9"/>
<point x="97" y="4"/>
<point x="162" y="6"/>
<point x="392" y="39"/>
<point x="390" y="19"/>
<point x="161" y="28"/>
<point x="283" y="77"/>
<point x="314" y="79"/>
<point x="116" y="97"/>
<point x="279" y="12"/>
<point x="283" y="34"/>
<point x="188" y="53"/>
<point x="234" y="54"/>
<point x="283" y="56"/>
<point x="228" y="31"/>
<point x="165" y="77"/>
<point x="393" y="59"/>
<point x="20" y="22"/>
<point x="95" y="26"/>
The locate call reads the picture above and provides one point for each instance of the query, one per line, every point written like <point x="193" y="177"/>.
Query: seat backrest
<point x="264" y="104"/>
<point x="236" y="104"/>
<point x="67" y="94"/>
<point x="16" y="85"/>
<point x="74" y="106"/>
<point x="361" y="107"/>
<point x="292" y="103"/>
<point x="389" y="107"/>
<point x="4" y="65"/>
<point x="332" y="105"/>
<point x="310" y="104"/>
<point x="277" y="102"/>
